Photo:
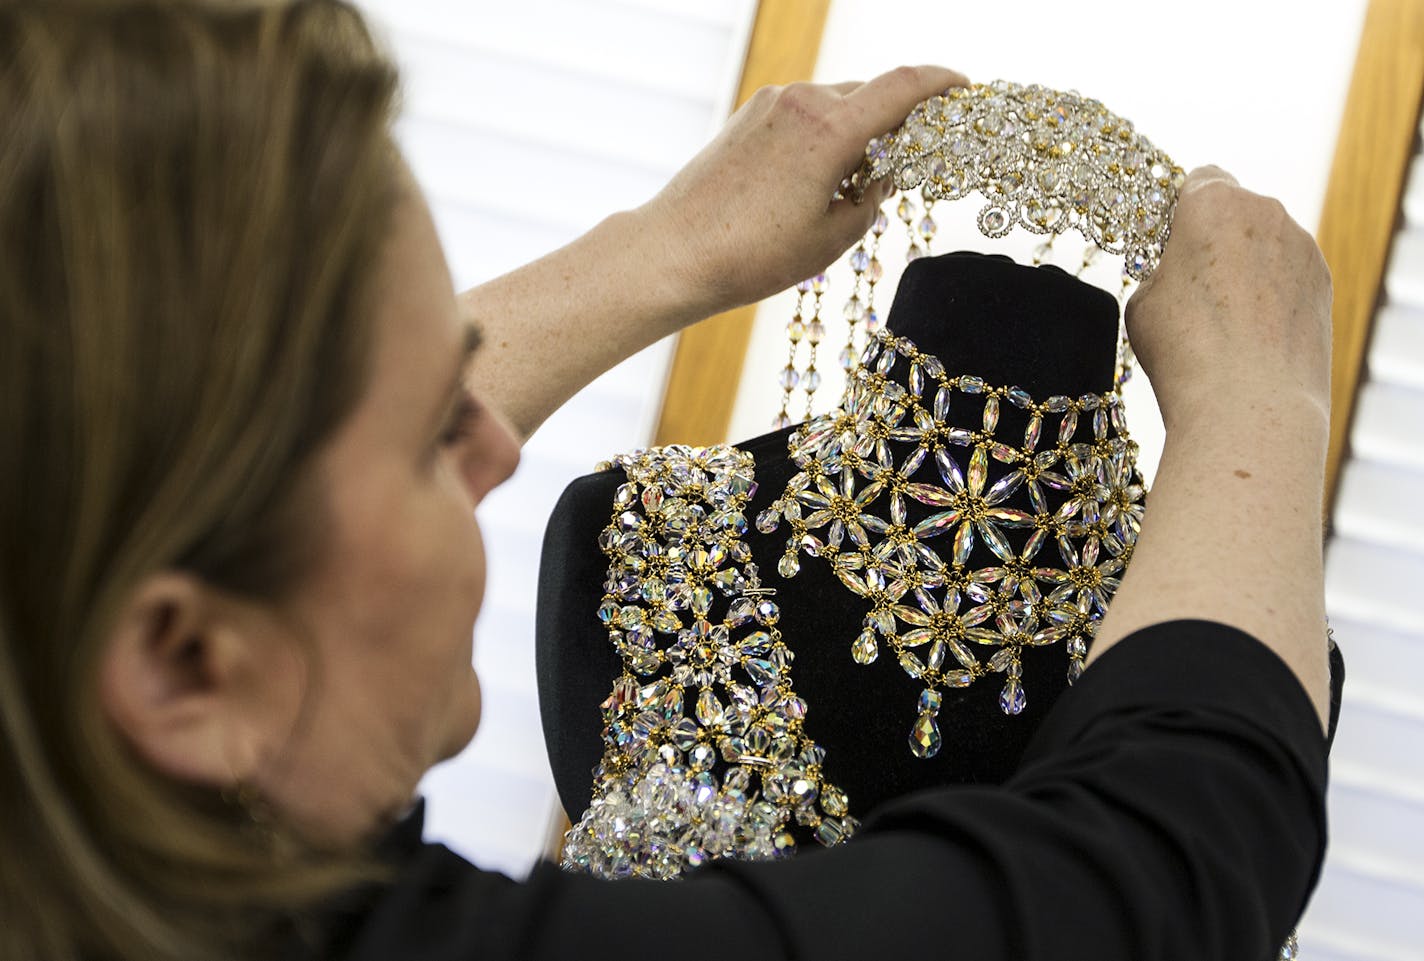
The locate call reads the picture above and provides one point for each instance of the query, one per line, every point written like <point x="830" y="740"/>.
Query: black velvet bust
<point x="1035" y="327"/>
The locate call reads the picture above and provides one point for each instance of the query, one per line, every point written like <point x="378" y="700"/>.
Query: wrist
<point x="1250" y="412"/>
<point x="1253" y="457"/>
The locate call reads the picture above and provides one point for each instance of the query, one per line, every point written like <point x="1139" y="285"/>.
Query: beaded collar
<point x="895" y="499"/>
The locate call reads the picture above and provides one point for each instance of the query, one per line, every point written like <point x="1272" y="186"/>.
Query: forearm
<point x="748" y="216"/>
<point x="1232" y="533"/>
<point x="552" y="326"/>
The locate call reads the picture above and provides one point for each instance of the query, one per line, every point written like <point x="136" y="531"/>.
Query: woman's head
<point x="224" y="319"/>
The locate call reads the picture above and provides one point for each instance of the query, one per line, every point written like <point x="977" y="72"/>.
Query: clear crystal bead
<point x="1012" y="699"/>
<point x="925" y="739"/>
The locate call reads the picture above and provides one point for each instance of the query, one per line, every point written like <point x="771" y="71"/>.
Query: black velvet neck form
<point x="1036" y="328"/>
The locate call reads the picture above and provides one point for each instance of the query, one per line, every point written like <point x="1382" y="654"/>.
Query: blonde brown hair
<point x="191" y="198"/>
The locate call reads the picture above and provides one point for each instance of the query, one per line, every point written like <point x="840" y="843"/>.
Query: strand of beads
<point x="799" y="330"/>
<point x="905" y="210"/>
<point x="867" y="270"/>
<point x="815" y="333"/>
<point x="927" y="228"/>
<point x="789" y="378"/>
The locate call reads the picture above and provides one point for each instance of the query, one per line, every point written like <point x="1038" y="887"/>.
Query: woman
<point x="245" y="424"/>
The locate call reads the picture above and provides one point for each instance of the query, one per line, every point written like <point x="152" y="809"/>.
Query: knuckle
<point x="806" y="103"/>
<point x="1217" y="191"/>
<point x="906" y="76"/>
<point x="1208" y="202"/>
<point x="1273" y="208"/>
<point x="763" y="95"/>
<point x="1206" y="175"/>
<point x="799" y="95"/>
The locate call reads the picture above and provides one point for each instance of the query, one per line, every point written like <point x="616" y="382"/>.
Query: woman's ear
<point x="205" y="686"/>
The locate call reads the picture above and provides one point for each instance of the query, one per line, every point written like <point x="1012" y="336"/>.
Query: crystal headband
<point x="1043" y="159"/>
<point x="1046" y="160"/>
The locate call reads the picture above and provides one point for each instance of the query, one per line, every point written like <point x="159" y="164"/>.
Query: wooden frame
<point x="707" y="365"/>
<point x="1364" y="196"/>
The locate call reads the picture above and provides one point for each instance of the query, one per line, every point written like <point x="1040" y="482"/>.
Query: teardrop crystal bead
<point x="925" y="741"/>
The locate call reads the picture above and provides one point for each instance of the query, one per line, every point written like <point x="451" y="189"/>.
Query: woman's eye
<point x="463" y="419"/>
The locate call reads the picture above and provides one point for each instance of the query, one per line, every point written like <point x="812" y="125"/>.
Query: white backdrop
<point x="529" y="121"/>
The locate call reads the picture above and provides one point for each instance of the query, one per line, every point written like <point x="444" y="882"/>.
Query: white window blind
<point x="1371" y="897"/>
<point x="526" y="123"/>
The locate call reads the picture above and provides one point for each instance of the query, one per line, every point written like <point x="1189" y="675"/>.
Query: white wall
<point x="1371" y="897"/>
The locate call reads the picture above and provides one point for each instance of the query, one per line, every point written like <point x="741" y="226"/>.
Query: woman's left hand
<point x="752" y="214"/>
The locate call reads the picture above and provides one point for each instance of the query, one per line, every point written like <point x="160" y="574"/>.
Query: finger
<point x="876" y="193"/>
<point x="883" y="102"/>
<point x="1207" y="174"/>
<point x="850" y="221"/>
<point x="846" y="86"/>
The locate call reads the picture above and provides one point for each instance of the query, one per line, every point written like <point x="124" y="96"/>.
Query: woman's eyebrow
<point x="471" y="339"/>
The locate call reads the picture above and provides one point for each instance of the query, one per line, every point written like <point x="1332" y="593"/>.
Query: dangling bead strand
<point x="905" y="210"/>
<point x="927" y="227"/>
<point x="815" y="333"/>
<point x="789" y="379"/>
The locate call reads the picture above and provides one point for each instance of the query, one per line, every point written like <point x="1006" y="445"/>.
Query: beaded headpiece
<point x="1047" y="161"/>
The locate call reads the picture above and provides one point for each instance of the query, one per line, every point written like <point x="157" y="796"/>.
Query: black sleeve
<point x="1170" y="807"/>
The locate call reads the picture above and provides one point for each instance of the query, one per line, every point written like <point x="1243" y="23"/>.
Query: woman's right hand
<point x="1237" y="312"/>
